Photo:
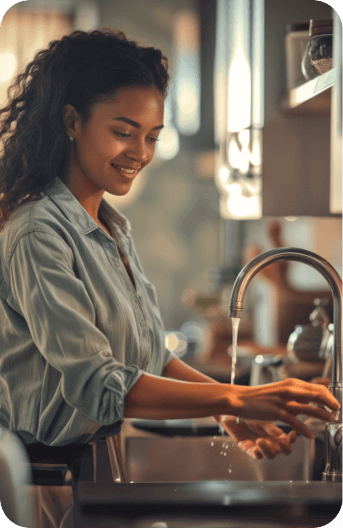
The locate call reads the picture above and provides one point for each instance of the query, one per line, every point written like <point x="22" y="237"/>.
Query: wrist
<point x="225" y="404"/>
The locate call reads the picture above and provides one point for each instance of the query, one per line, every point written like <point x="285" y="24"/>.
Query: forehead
<point x="144" y="102"/>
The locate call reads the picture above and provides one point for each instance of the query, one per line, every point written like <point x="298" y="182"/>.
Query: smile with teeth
<point x="128" y="171"/>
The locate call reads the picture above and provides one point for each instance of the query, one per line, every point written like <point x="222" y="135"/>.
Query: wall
<point x="320" y="235"/>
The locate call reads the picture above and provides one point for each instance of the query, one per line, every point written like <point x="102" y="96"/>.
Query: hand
<point x="257" y="438"/>
<point x="283" y="401"/>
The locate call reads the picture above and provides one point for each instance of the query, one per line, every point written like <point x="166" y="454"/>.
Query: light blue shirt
<point x="75" y="334"/>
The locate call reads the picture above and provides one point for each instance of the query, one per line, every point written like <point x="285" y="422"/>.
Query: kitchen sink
<point x="185" y="474"/>
<point x="195" y="450"/>
<point x="171" y="428"/>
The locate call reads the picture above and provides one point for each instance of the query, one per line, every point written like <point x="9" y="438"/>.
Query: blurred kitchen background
<point x="250" y="159"/>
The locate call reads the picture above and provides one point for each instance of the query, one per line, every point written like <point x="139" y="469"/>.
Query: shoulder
<point x="31" y="218"/>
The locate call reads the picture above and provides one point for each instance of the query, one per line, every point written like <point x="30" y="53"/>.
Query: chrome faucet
<point x="333" y="431"/>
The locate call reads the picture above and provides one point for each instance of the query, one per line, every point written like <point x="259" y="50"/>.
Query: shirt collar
<point x="77" y="215"/>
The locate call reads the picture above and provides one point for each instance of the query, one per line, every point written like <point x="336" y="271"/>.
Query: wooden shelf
<point x="312" y="97"/>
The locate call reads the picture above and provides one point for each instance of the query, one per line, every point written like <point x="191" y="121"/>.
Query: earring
<point x="71" y="138"/>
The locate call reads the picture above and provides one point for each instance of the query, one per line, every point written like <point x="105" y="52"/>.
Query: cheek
<point x="152" y="154"/>
<point x="104" y="147"/>
<point x="100" y="141"/>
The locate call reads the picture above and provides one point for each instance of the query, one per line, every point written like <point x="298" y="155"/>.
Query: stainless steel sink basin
<point x="171" y="428"/>
<point x="208" y="504"/>
<point x="157" y="456"/>
<point x="201" y="481"/>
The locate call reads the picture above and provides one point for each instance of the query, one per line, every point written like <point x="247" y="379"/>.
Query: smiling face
<point x="121" y="133"/>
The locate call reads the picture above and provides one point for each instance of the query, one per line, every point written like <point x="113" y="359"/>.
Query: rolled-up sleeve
<point x="62" y="322"/>
<point x="168" y="356"/>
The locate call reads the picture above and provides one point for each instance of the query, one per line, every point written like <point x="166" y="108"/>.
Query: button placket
<point x="137" y="303"/>
<point x="147" y="334"/>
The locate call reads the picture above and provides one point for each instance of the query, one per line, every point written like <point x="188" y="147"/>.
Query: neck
<point x="86" y="192"/>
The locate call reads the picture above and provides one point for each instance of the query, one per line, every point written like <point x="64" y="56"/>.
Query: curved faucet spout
<point x="311" y="259"/>
<point x="333" y="432"/>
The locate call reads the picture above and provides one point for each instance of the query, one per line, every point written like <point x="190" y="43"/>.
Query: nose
<point x="139" y="152"/>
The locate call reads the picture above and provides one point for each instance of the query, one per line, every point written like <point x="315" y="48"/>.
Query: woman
<point x="82" y="341"/>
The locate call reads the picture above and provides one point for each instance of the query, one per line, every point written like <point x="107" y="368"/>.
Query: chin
<point x="118" y="192"/>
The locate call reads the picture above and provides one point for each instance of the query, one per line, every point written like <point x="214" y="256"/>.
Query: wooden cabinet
<point x="297" y="145"/>
<point x="311" y="98"/>
<point x="336" y="122"/>
<point x="322" y="97"/>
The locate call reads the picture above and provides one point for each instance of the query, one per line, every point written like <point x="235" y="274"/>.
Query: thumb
<point x="292" y="436"/>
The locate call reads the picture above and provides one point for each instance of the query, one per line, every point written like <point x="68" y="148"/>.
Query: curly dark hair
<point x="80" y="69"/>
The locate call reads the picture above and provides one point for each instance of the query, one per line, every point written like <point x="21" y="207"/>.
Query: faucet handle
<point x="333" y="448"/>
<point x="338" y="437"/>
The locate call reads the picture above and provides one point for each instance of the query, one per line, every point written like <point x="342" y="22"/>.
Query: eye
<point x="121" y="135"/>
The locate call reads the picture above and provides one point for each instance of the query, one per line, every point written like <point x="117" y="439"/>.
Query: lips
<point x="127" y="176"/>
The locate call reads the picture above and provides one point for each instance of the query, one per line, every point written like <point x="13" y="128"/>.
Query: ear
<point x="69" y="115"/>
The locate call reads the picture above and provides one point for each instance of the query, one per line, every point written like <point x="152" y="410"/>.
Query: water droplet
<point x="226" y="500"/>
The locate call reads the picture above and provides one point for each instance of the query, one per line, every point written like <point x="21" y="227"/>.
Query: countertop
<point x="204" y="504"/>
<point x="301" y="503"/>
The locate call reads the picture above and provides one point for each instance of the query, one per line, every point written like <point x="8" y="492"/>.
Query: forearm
<point x="159" y="398"/>
<point x="178" y="369"/>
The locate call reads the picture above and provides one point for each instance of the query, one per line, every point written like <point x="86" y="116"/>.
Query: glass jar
<point x="307" y="68"/>
<point x="296" y="40"/>
<point x="318" y="52"/>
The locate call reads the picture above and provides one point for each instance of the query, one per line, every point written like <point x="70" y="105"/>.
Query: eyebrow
<point x="133" y="123"/>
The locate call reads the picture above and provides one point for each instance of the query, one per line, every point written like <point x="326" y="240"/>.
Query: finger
<point x="323" y="396"/>
<point x="292" y="436"/>
<point x="268" y="448"/>
<point x="285" y="442"/>
<point x="303" y="392"/>
<point x="297" y="425"/>
<point x="310" y="410"/>
<point x="245" y="445"/>
<point x="249" y="447"/>
<point x="273" y="429"/>
<point x="255" y="453"/>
